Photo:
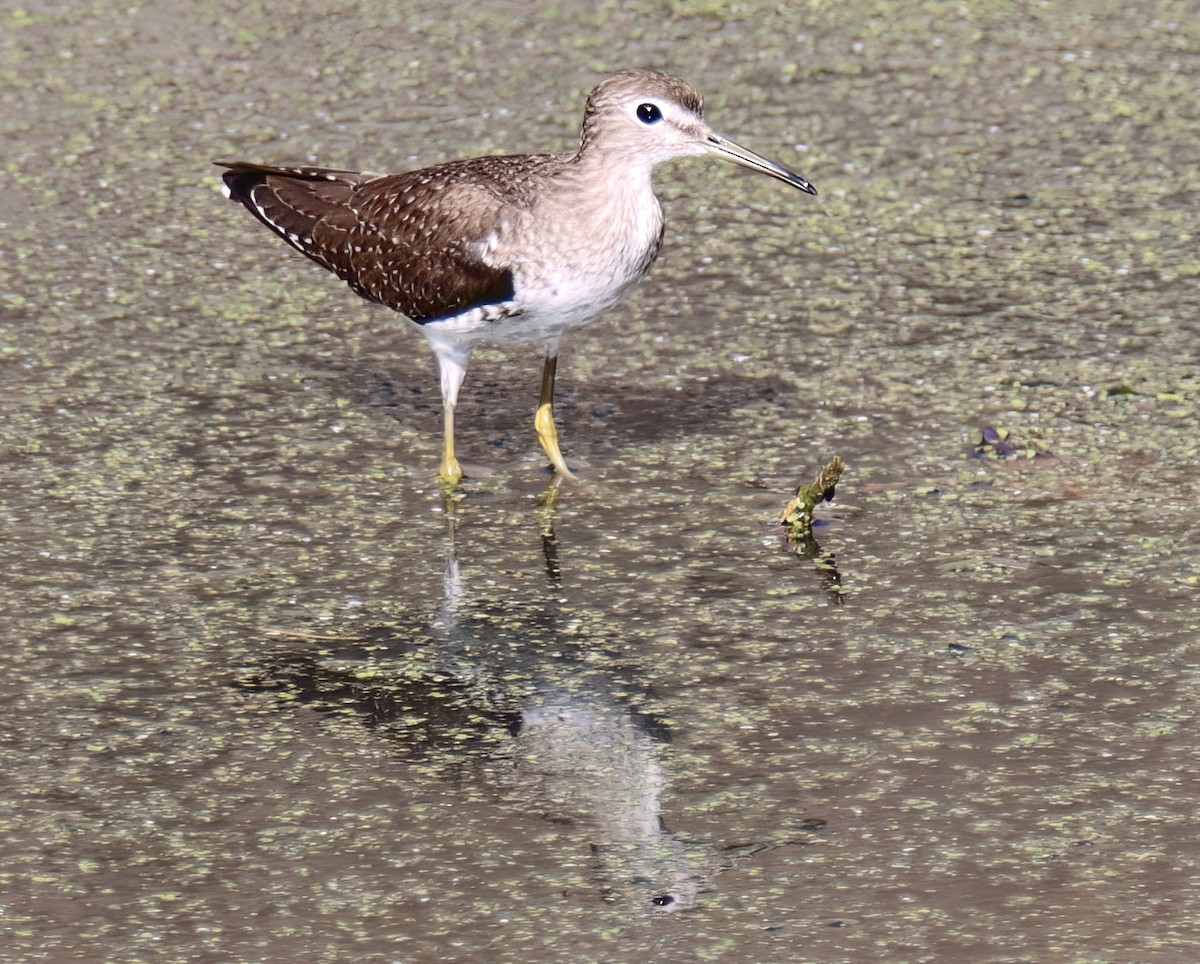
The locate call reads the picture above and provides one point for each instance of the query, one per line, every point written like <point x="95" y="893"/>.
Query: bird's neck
<point x="616" y="188"/>
<point x="611" y="170"/>
<point x="597" y="218"/>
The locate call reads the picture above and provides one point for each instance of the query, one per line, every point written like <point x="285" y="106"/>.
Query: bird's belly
<point x="544" y="308"/>
<point x="572" y="298"/>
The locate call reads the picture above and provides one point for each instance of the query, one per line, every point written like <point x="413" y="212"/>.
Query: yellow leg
<point x="450" y="473"/>
<point x="452" y="369"/>
<point x="543" y="419"/>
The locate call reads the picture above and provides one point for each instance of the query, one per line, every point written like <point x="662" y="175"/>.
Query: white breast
<point x="577" y="253"/>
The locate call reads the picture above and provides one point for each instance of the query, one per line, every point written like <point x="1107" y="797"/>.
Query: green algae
<point x="210" y="448"/>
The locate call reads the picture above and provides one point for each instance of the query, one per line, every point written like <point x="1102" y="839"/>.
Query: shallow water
<point x="267" y="698"/>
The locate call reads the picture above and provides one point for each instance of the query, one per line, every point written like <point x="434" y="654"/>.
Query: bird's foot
<point x="449" y="477"/>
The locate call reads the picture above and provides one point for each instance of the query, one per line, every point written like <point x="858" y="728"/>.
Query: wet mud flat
<point x="267" y="696"/>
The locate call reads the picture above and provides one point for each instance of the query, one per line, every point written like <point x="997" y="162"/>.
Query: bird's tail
<point x="293" y="201"/>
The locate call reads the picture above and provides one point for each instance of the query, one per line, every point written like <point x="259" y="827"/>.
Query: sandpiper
<point x="499" y="249"/>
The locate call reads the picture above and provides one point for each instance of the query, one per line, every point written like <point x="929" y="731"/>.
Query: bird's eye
<point x="649" y="113"/>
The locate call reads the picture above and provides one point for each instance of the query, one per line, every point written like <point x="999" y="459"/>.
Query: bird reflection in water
<point x="519" y="697"/>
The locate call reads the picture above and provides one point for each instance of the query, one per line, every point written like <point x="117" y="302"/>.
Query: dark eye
<point x="649" y="113"/>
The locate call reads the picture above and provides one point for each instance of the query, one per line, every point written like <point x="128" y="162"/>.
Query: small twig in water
<point x="797" y="515"/>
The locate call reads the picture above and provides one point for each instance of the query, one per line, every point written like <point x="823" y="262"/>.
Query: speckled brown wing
<point x="416" y="240"/>
<point x="408" y="241"/>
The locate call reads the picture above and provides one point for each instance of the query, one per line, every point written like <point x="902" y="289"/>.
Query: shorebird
<point x="499" y="249"/>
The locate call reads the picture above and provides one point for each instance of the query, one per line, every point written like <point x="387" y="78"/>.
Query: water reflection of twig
<point x="807" y="547"/>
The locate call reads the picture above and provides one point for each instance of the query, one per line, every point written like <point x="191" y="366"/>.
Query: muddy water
<point x="267" y="699"/>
